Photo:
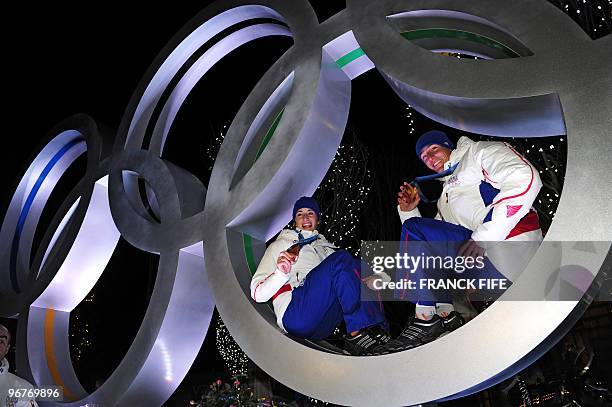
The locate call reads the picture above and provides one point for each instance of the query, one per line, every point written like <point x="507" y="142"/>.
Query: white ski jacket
<point x="490" y="192"/>
<point x="270" y="282"/>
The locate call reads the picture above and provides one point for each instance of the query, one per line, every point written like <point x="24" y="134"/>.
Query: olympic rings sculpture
<point x="208" y="238"/>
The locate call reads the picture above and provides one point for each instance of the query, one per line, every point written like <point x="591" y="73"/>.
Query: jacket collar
<point x="292" y="233"/>
<point x="463" y="145"/>
<point x="307" y="233"/>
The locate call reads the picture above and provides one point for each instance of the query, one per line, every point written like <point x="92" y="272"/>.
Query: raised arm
<point x="407" y="200"/>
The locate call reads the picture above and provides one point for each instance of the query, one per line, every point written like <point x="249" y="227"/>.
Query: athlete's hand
<point x="369" y="281"/>
<point x="285" y="261"/>
<point x="470" y="248"/>
<point x="408" y="197"/>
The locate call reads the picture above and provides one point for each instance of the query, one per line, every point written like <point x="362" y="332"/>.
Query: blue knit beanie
<point x="307" y="202"/>
<point x="433" y="137"/>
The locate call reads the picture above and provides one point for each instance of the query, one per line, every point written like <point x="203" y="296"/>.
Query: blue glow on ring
<point x="28" y="205"/>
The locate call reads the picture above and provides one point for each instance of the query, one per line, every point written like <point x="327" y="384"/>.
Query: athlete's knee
<point x="413" y="225"/>
<point x="343" y="262"/>
<point x="300" y="327"/>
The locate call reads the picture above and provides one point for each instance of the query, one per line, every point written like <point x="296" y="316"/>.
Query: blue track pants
<point x="330" y="294"/>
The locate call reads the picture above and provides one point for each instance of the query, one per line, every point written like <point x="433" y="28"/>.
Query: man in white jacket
<point x="487" y="196"/>
<point x="7" y="379"/>
<point x="314" y="287"/>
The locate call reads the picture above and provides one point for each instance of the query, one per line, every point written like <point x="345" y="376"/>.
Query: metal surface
<point x="534" y="95"/>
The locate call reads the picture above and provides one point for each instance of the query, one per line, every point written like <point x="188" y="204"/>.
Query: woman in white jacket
<point x="313" y="286"/>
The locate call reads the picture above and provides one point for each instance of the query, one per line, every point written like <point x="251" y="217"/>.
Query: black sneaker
<point x="452" y="321"/>
<point x="416" y="333"/>
<point x="368" y="341"/>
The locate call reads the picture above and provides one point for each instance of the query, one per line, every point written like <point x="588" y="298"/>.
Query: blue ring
<point x="28" y="205"/>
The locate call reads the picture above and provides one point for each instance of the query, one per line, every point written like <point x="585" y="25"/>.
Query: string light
<point x="81" y="342"/>
<point x="343" y="192"/>
<point x="594" y="16"/>
<point x="235" y="359"/>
